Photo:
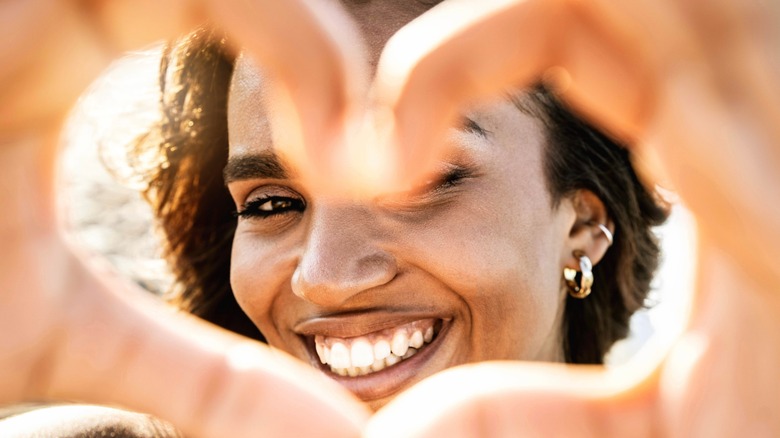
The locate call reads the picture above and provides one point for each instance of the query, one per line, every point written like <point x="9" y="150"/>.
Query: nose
<point x="342" y="258"/>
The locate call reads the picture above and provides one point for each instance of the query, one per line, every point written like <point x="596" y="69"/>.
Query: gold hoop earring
<point x="579" y="288"/>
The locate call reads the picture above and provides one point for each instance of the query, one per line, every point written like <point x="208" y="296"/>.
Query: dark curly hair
<point x="195" y="211"/>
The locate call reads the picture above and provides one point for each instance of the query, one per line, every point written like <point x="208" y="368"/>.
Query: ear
<point x="585" y="235"/>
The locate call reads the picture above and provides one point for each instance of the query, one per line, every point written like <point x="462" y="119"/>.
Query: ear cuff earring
<point x="579" y="283"/>
<point x="608" y="234"/>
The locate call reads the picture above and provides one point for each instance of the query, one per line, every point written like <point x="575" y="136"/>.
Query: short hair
<point x="196" y="213"/>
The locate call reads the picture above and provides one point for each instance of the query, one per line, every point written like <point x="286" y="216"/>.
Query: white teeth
<point x="367" y="354"/>
<point x="339" y="356"/>
<point x="322" y="351"/>
<point x="378" y="365"/>
<point x="416" y="340"/>
<point x="381" y="350"/>
<point x="392" y="360"/>
<point x="362" y="353"/>
<point x="400" y="343"/>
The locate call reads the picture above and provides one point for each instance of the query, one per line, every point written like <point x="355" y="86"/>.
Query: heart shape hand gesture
<point x="689" y="85"/>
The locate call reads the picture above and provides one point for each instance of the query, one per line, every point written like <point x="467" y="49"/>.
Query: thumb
<point x="514" y="399"/>
<point x="121" y="347"/>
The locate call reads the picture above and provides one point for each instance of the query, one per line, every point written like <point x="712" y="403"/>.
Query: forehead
<point x="380" y="19"/>
<point x="248" y="122"/>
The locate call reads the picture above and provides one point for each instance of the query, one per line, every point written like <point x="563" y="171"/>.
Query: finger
<point x="742" y="41"/>
<point x="314" y="56"/>
<point x="309" y="46"/>
<point x="311" y="52"/>
<point x="480" y="50"/>
<point x="122" y="25"/>
<point x="39" y="79"/>
<point x="51" y="50"/>
<point x="511" y="399"/>
<point x="122" y="348"/>
<point x="455" y="53"/>
<point x="724" y="165"/>
<point x="711" y="69"/>
<point x="605" y="60"/>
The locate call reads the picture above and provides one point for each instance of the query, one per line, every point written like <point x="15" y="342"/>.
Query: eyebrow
<point x="254" y="166"/>
<point x="266" y="165"/>
<point x="468" y="125"/>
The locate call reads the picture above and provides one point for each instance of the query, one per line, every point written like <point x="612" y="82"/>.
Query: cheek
<point x="259" y="272"/>
<point x="499" y="252"/>
<point x="517" y="293"/>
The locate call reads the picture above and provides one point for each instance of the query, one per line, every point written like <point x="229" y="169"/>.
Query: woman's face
<point x="381" y="293"/>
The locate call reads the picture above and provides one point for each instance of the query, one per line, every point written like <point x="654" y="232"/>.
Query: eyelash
<point x="453" y="177"/>
<point x="280" y="205"/>
<point x="255" y="207"/>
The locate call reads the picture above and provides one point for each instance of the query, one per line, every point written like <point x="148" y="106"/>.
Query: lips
<point x="374" y="357"/>
<point x="359" y="356"/>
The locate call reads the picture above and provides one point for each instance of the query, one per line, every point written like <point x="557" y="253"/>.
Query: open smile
<point x="371" y="353"/>
<point x="380" y="363"/>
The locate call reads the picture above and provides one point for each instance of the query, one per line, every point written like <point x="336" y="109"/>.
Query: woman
<point x="475" y="255"/>
<point x="722" y="331"/>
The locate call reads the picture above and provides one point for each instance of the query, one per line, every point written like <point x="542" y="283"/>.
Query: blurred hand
<point x="694" y="83"/>
<point x="69" y="331"/>
<point x="684" y="80"/>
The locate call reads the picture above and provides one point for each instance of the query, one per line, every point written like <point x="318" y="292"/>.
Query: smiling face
<point x="381" y="293"/>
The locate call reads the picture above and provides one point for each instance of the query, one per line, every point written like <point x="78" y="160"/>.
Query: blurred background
<point x="105" y="213"/>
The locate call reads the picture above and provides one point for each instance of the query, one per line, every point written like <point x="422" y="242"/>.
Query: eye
<point x="451" y="177"/>
<point x="267" y="206"/>
<point x="448" y="177"/>
<point x="438" y="189"/>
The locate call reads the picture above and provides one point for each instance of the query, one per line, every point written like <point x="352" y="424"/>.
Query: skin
<point x="485" y="256"/>
<point x="686" y="83"/>
<point x="682" y="79"/>
<point x="73" y="331"/>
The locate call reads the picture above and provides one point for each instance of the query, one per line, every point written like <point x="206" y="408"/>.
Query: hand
<point x="70" y="331"/>
<point x="693" y="82"/>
